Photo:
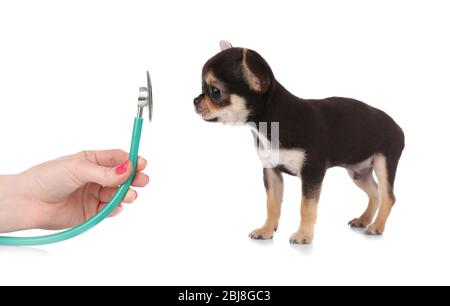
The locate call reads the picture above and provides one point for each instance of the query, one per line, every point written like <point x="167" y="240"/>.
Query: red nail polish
<point x="122" y="168"/>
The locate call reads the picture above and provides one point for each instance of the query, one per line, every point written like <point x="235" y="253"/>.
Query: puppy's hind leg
<point x="385" y="169"/>
<point x="367" y="183"/>
<point x="273" y="181"/>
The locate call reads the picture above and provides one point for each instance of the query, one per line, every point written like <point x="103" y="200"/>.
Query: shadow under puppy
<point x="238" y="86"/>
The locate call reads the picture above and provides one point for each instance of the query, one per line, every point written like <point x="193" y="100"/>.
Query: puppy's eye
<point x="214" y="92"/>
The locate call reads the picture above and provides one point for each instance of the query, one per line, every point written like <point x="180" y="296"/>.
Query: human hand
<point x="67" y="191"/>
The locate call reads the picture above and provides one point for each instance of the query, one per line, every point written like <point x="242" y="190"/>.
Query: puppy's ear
<point x="256" y="71"/>
<point x="225" y="45"/>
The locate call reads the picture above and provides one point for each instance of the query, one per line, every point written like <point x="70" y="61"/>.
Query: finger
<point x="141" y="164"/>
<point x="110" y="158"/>
<point x="115" y="212"/>
<point x="106" y="158"/>
<point x="106" y="193"/>
<point x="140" y="180"/>
<point x="87" y="172"/>
<point x="130" y="196"/>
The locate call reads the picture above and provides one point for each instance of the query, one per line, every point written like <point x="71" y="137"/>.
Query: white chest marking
<point x="271" y="156"/>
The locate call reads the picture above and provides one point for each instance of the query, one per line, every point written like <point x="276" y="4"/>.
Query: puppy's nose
<point x="197" y="100"/>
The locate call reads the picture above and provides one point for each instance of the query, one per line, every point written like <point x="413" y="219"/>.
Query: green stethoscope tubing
<point x="102" y="214"/>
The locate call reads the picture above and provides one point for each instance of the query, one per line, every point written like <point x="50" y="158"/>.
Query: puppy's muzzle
<point x="198" y="100"/>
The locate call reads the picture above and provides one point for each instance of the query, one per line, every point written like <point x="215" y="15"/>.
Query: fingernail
<point x="122" y="168"/>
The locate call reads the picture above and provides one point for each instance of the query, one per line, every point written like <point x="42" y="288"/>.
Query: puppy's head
<point x="235" y="85"/>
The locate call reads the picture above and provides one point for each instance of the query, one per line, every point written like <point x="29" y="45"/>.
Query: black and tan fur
<point x="314" y="135"/>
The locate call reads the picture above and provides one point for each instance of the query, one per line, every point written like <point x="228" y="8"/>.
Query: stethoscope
<point x="145" y="100"/>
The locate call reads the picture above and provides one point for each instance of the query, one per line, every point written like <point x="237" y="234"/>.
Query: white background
<point x="69" y="75"/>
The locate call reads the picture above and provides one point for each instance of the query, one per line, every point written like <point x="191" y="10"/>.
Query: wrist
<point x="16" y="212"/>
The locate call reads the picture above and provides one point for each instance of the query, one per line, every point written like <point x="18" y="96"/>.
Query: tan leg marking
<point x="369" y="186"/>
<point x="274" y="190"/>
<point x="305" y="233"/>
<point x="385" y="195"/>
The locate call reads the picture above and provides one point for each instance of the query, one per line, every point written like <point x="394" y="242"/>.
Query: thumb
<point x="111" y="177"/>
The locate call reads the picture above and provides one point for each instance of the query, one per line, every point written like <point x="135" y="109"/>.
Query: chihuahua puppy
<point x="238" y="86"/>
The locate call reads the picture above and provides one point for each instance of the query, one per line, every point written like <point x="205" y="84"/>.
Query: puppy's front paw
<point x="359" y="222"/>
<point x="301" y="237"/>
<point x="262" y="233"/>
<point x="374" y="229"/>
